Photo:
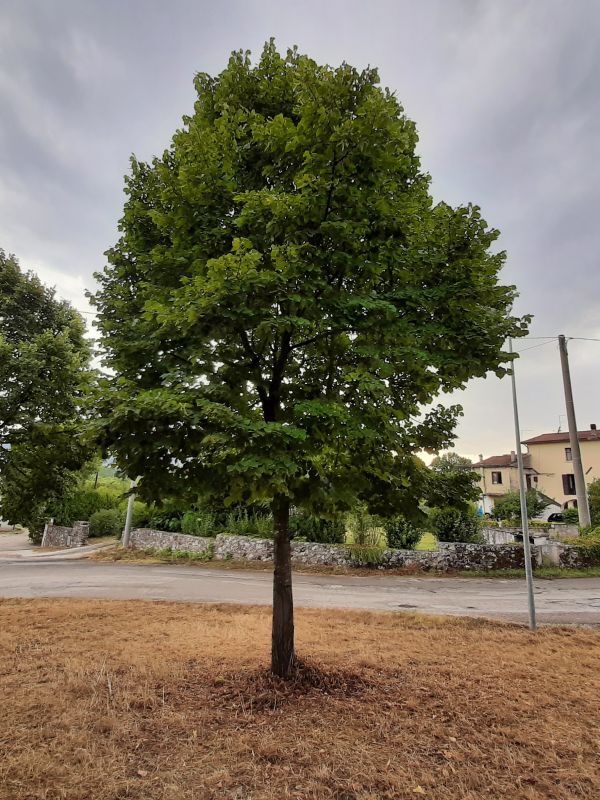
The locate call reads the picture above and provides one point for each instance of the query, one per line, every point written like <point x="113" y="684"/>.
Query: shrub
<point x="571" y="515"/>
<point x="81" y="504"/>
<point x="314" y="529"/>
<point x="589" y="544"/>
<point x="107" y="522"/>
<point x="243" y="523"/>
<point x="594" y="501"/>
<point x="402" y="534"/>
<point x="509" y="506"/>
<point x="168" y="519"/>
<point x="365" y="529"/>
<point x="366" y="555"/>
<point x="199" y="523"/>
<point x="451" y="525"/>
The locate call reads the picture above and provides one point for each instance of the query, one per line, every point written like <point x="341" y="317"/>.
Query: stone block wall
<point x="448" y="558"/>
<point x="145" y="538"/>
<point x="62" y="536"/>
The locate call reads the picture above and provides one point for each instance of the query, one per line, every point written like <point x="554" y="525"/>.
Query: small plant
<point x="107" y="522"/>
<point x="366" y="555"/>
<point x="365" y="530"/>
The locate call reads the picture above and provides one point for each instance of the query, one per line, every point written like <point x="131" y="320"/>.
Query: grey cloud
<point x="505" y="96"/>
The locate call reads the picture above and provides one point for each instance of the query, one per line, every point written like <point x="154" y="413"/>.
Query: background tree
<point x="285" y="298"/>
<point x="44" y="361"/>
<point x="450" y="462"/>
<point x="509" y="506"/>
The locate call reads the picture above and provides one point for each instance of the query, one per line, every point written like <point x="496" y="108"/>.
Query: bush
<point x="366" y="555"/>
<point x="314" y="529"/>
<point x="589" y="544"/>
<point x="365" y="529"/>
<point x="199" y="523"/>
<point x="81" y="504"/>
<point x="244" y="523"/>
<point x="571" y="515"/>
<point x="169" y="519"/>
<point x="401" y="534"/>
<point x="451" y="525"/>
<point x="107" y="522"/>
<point x="594" y="501"/>
<point x="509" y="506"/>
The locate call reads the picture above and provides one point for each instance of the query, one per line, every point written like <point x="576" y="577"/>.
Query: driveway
<point x="14" y="542"/>
<point x="575" y="600"/>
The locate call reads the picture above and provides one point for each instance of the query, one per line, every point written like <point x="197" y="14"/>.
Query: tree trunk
<point x="282" y="643"/>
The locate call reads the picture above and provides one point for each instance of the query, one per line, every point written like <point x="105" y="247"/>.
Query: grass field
<point x="159" y="701"/>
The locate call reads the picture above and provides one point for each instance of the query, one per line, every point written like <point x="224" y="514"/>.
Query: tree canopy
<point x="285" y="298"/>
<point x="450" y="462"/>
<point x="44" y="360"/>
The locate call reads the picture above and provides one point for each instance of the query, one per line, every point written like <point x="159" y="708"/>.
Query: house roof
<point x="507" y="460"/>
<point x="553" y="438"/>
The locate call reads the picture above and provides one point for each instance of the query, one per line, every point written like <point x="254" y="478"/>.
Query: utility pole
<point x="580" y="487"/>
<point x="128" y="517"/>
<point x="523" y="498"/>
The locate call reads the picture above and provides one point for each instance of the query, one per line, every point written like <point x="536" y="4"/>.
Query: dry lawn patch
<point x="168" y="701"/>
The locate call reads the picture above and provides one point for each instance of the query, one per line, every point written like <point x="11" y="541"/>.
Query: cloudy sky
<point x="506" y="96"/>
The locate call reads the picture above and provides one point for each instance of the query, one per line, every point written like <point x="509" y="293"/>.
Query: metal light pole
<point x="523" y="497"/>
<point x="583" y="506"/>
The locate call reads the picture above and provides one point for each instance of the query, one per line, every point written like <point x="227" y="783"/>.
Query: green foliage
<point x="402" y="534"/>
<point x="285" y="297"/>
<point x="366" y="555"/>
<point x="450" y="462"/>
<point x="594" y="501"/>
<point x="571" y="515"/>
<point x="589" y="544"/>
<point x="167" y="519"/>
<point x="82" y="504"/>
<point x="44" y="377"/>
<point x="107" y="522"/>
<point x="199" y="523"/>
<point x="245" y="523"/>
<point x="365" y="529"/>
<point x="452" y="525"/>
<point x="509" y="506"/>
<point x="315" y="529"/>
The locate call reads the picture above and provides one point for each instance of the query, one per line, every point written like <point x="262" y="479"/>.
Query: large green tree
<point x="44" y="360"/>
<point x="285" y="297"/>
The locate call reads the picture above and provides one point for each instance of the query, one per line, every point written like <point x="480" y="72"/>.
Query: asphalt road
<point x="574" y="600"/>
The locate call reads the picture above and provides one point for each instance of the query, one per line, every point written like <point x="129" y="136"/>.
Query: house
<point x="550" y="458"/>
<point x="499" y="475"/>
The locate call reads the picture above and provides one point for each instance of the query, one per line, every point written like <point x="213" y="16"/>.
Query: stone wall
<point x="145" y="538"/>
<point x="62" y="536"/>
<point x="448" y="558"/>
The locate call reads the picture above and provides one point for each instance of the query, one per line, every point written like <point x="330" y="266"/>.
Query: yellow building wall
<point x="510" y="480"/>
<point x="550" y="462"/>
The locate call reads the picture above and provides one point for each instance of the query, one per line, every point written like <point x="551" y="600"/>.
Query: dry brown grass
<point x="113" y="700"/>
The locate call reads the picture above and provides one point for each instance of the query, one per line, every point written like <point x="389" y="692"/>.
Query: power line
<point x="533" y="346"/>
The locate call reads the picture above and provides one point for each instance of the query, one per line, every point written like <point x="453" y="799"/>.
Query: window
<point x="528" y="481"/>
<point x="568" y="454"/>
<point x="496" y="477"/>
<point x="568" y="484"/>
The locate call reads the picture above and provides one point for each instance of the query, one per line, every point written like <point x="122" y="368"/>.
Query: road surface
<point x="575" y="600"/>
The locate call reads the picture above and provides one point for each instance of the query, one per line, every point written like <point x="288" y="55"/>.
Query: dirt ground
<point x="163" y="701"/>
